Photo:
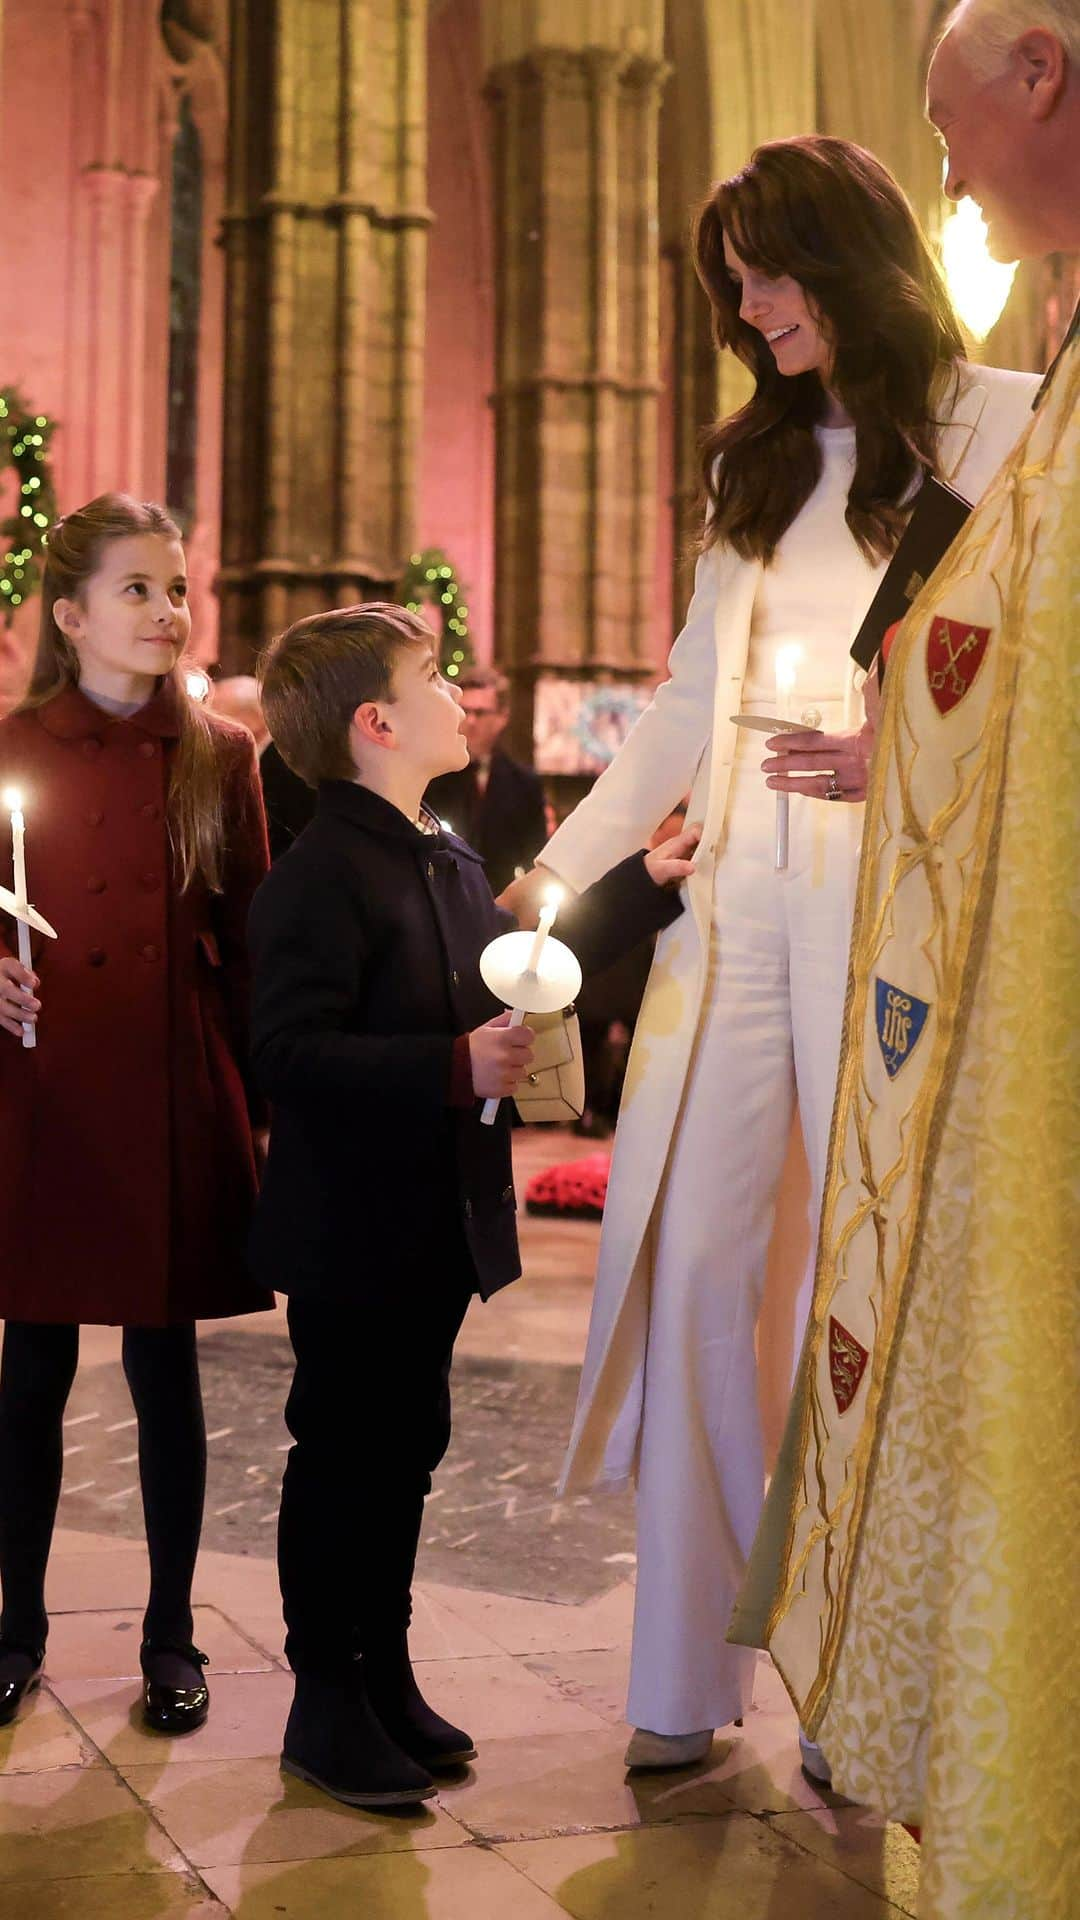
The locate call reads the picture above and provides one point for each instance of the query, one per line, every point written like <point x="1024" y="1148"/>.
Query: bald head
<point x="1004" y="93"/>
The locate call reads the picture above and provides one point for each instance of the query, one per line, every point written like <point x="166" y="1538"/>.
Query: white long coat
<point x="684" y="741"/>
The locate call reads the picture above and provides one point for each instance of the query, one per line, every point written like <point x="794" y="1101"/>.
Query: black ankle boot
<point x="333" y="1740"/>
<point x="20" y="1674"/>
<point x="176" y="1698"/>
<point x="403" y="1711"/>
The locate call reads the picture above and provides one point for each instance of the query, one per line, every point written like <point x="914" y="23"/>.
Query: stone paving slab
<point x="731" y="1868"/>
<point x="492" y="1521"/>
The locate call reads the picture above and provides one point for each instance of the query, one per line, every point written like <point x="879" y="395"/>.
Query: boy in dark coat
<point x="386" y="1203"/>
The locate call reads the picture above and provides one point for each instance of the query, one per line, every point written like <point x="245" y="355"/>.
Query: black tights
<point x="162" y="1370"/>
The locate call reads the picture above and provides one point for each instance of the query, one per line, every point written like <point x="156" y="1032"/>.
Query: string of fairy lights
<point x="24" y="446"/>
<point x="431" y="580"/>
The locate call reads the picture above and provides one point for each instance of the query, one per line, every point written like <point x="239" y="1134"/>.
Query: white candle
<point x="543" y="928"/>
<point x="786" y="658"/>
<point x="13" y="801"/>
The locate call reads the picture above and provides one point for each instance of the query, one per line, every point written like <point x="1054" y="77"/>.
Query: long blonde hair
<point x="196" y="812"/>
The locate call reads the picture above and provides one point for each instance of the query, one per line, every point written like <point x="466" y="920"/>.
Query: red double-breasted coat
<point x="127" y="1173"/>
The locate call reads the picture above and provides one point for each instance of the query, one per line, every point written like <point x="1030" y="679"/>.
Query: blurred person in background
<point x="495" y="803"/>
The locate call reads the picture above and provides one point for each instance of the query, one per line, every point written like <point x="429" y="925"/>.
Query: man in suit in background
<point x="494" y="803"/>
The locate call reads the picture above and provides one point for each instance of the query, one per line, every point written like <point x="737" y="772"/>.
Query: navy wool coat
<point x="365" y="940"/>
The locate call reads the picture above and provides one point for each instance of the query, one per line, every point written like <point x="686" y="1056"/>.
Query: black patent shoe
<point x="20" y="1674"/>
<point x="334" y="1741"/>
<point x="176" y="1698"/>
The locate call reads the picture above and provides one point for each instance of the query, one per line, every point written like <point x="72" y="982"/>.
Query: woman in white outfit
<point x="822" y="284"/>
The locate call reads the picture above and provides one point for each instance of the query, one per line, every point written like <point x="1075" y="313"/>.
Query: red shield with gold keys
<point x="954" y="654"/>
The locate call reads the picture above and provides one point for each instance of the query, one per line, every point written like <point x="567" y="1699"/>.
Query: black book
<point x="936" y="519"/>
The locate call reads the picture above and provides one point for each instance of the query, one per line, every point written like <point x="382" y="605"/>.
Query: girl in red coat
<point x="125" y="1136"/>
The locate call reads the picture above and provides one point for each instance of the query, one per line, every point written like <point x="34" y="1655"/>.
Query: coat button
<point x="95" y="884"/>
<point x="147" y="749"/>
<point x="456" y="978"/>
<point x="431" y="869"/>
<point x="91" y="748"/>
<point x="149" y="810"/>
<point x="95" y="817"/>
<point x="96" y="957"/>
<point x="468" y="1209"/>
<point x="149" y="953"/>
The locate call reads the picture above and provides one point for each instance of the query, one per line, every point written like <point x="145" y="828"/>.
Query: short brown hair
<point x="483" y="678"/>
<point x="315" y="675"/>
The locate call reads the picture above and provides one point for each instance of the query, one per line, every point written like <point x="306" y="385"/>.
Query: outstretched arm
<point x="656" y="765"/>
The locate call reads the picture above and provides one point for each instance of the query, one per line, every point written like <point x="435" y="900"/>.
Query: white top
<point x="812" y="593"/>
<point x="684" y="738"/>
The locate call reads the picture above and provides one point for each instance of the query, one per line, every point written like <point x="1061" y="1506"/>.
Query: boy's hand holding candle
<point x="499" y="1054"/>
<point x="530" y="974"/>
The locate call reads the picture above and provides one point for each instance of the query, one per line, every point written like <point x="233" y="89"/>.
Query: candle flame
<point x="197" y="684"/>
<point x="787" y="660"/>
<point x="13" y="799"/>
<point x="554" y="897"/>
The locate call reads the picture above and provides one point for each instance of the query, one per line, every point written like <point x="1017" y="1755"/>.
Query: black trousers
<point x="369" y="1412"/>
<point x="162" y="1370"/>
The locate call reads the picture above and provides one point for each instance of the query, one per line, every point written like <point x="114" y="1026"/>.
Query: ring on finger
<point x="834" y="791"/>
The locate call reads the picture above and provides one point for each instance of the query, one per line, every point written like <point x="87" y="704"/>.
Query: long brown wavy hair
<point x="830" y="215"/>
<point x="73" y="550"/>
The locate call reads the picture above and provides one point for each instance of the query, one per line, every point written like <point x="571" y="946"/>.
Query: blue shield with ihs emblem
<point x="901" y="1018"/>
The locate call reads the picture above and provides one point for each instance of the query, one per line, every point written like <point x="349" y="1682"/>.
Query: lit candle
<point x="786" y="659"/>
<point x="13" y="801"/>
<point x="552" y="903"/>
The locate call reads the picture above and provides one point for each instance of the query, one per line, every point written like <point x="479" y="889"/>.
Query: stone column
<point x="575" y="95"/>
<point x="757" y="82"/>
<point x="325" y="232"/>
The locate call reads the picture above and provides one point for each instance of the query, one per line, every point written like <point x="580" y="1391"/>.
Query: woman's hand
<point x="671" y="861"/>
<point x="17" y="1003"/>
<point x="837" y="763"/>
<point x="525" y="897"/>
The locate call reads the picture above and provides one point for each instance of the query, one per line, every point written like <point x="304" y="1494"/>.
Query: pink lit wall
<point x="88" y="105"/>
<point x="456" y="509"/>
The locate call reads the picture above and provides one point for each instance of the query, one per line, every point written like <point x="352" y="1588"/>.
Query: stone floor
<point x="524" y="1642"/>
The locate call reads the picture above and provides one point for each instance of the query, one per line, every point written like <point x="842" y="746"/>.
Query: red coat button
<point x="95" y="818"/>
<point x="95" y="884"/>
<point x="96" y="957"/>
<point x="149" y="954"/>
<point x="147" y="749"/>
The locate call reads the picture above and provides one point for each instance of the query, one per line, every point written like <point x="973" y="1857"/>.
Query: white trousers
<point x="769" y="1032"/>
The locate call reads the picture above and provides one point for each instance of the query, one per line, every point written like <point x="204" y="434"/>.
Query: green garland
<point x="430" y="579"/>
<point x="24" y="444"/>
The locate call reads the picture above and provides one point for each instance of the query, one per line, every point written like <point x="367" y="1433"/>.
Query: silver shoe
<point x="660" y="1751"/>
<point x="814" y="1763"/>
